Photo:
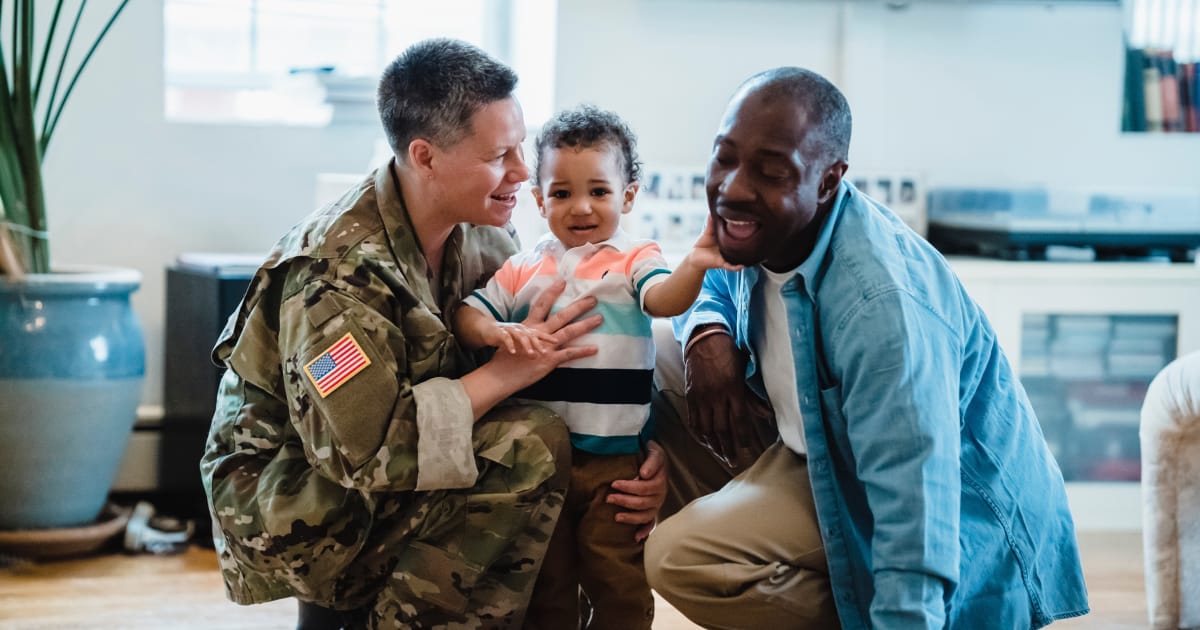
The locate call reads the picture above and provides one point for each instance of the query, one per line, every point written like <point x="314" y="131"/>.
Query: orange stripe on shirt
<point x="512" y="277"/>
<point x="649" y="250"/>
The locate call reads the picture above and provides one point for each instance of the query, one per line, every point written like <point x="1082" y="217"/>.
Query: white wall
<point x="966" y="93"/>
<point x="982" y="93"/>
<point x="124" y="187"/>
<point x="668" y="66"/>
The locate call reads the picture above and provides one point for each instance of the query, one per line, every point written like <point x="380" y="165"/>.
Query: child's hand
<point x="705" y="254"/>
<point x="508" y="336"/>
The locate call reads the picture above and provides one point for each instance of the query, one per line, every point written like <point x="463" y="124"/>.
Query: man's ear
<point x="831" y="180"/>
<point x="420" y="157"/>
<point x="630" y="192"/>
<point x="537" y="197"/>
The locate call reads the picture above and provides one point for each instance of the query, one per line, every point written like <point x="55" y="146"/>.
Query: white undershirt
<point x="773" y="345"/>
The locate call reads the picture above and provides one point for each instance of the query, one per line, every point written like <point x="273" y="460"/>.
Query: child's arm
<point x="476" y="330"/>
<point x="677" y="293"/>
<point x="469" y="327"/>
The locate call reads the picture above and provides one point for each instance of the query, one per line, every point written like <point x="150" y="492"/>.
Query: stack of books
<point x="1161" y="92"/>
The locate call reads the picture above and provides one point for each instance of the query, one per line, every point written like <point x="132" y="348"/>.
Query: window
<point x="312" y="61"/>
<point x="1162" y="78"/>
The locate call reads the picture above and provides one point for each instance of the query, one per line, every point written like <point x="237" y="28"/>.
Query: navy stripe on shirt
<point x="598" y="386"/>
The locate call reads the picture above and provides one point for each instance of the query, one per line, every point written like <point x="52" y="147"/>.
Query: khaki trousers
<point x="748" y="555"/>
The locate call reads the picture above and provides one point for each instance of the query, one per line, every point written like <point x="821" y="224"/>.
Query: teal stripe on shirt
<point x="641" y="283"/>
<point x="496" y="314"/>
<point x="606" y="444"/>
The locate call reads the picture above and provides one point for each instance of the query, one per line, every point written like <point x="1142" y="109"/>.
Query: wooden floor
<point x="143" y="592"/>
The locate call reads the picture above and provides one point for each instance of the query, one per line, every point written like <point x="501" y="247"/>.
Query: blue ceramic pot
<point x="72" y="360"/>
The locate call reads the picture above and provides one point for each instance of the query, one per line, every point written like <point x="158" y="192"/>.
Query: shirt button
<point x="807" y="399"/>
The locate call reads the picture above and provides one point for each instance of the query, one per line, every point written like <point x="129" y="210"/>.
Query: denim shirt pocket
<point x="838" y="436"/>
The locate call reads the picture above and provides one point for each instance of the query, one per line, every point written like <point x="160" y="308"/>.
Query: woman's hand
<point x="556" y="332"/>
<point x="508" y="373"/>
<point x="642" y="497"/>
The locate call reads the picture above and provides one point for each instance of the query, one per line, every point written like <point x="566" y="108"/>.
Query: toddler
<point x="586" y="177"/>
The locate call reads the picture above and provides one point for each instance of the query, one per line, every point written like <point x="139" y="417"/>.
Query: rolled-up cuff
<point x="445" y="423"/>
<point x="685" y="327"/>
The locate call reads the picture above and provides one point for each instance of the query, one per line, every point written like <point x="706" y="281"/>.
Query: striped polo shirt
<point x="605" y="398"/>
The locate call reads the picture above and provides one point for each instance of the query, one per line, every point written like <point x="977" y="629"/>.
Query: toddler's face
<point x="583" y="193"/>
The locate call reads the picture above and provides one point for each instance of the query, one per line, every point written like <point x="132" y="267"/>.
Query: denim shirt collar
<point x="811" y="270"/>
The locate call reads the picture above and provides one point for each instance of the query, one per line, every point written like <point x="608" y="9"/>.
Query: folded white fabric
<point x="1170" y="436"/>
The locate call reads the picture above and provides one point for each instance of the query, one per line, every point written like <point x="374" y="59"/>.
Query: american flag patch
<point x="336" y="365"/>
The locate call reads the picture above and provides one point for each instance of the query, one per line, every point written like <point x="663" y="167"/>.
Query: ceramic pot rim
<point x="77" y="275"/>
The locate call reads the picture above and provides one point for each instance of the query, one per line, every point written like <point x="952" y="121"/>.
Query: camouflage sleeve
<point x="349" y="379"/>
<point x="445" y="422"/>
<point x="270" y="506"/>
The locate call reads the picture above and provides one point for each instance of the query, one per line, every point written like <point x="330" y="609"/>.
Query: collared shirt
<point x="604" y="398"/>
<point x="938" y="501"/>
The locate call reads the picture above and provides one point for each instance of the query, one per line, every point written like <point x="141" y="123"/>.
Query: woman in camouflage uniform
<point x="359" y="459"/>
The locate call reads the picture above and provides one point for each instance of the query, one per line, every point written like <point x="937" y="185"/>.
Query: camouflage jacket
<point x="340" y="387"/>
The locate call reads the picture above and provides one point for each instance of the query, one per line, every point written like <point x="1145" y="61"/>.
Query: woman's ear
<point x="421" y="157"/>
<point x="630" y="192"/>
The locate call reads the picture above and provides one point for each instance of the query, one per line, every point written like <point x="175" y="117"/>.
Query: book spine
<point x="1152" y="90"/>
<point x="1187" y="97"/>
<point x="1133" y="115"/>
<point x="1169" y="82"/>
<point x="1194" y="108"/>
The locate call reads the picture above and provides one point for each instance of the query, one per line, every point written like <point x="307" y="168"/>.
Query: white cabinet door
<point x="1085" y="340"/>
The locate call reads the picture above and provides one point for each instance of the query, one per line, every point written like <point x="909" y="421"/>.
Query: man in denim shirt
<point x="910" y="486"/>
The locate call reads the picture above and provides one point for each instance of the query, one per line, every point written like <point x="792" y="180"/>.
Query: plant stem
<point x="62" y="63"/>
<point x="37" y="86"/>
<point x="48" y="131"/>
<point x="28" y="152"/>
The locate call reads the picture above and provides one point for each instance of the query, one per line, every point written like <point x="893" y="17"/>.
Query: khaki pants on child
<point x="590" y="550"/>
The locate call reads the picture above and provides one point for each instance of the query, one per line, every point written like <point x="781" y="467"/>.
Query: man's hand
<point x="644" y="496"/>
<point x="723" y="413"/>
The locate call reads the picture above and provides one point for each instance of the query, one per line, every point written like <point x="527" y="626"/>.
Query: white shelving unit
<point x="1089" y="331"/>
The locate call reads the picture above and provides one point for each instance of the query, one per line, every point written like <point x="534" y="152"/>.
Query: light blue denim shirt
<point x="939" y="503"/>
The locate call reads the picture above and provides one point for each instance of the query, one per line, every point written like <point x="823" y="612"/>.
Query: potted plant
<point x="71" y="351"/>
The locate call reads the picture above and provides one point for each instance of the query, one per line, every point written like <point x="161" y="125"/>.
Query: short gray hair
<point x="432" y="89"/>
<point x="819" y="97"/>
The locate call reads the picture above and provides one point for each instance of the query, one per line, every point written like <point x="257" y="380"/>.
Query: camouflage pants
<point x="468" y="558"/>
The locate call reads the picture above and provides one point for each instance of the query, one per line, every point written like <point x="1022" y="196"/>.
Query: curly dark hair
<point x="432" y="89"/>
<point x="583" y="127"/>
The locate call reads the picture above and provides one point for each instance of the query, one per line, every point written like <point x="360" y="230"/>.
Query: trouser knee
<point x="550" y="428"/>
<point x="662" y="572"/>
<point x="537" y="438"/>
